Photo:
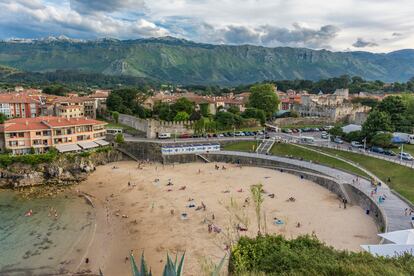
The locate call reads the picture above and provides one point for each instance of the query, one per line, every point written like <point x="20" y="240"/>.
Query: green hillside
<point x="180" y="61"/>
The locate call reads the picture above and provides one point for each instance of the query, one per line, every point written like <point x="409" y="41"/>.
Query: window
<point x="38" y="133"/>
<point x="21" y="134"/>
<point x="21" y="143"/>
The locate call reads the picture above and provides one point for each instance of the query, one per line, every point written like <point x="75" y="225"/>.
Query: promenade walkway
<point x="393" y="207"/>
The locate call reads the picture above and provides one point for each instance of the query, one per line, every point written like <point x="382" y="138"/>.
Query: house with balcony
<point x="27" y="135"/>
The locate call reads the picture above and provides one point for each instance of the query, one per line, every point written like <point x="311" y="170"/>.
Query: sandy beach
<point x="136" y="210"/>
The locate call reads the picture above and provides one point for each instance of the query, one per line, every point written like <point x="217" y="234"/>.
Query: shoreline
<point x="116" y="235"/>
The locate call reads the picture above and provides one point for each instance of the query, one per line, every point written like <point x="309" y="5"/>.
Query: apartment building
<point x="19" y="105"/>
<point x="25" y="135"/>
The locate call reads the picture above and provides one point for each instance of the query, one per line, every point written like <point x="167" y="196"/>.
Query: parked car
<point x="377" y="150"/>
<point x="405" y="156"/>
<point x="185" y="135"/>
<point x="357" y="144"/>
<point x="338" y="140"/>
<point x="324" y="136"/>
<point x="389" y="153"/>
<point x="221" y="135"/>
<point x="164" y="135"/>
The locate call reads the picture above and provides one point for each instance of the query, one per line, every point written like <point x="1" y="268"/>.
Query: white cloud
<point x="334" y="24"/>
<point x="97" y="23"/>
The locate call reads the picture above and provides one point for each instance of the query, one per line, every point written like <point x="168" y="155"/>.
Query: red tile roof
<point x="41" y="123"/>
<point x="18" y="98"/>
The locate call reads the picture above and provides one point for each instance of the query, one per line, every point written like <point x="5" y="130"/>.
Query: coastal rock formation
<point x="66" y="169"/>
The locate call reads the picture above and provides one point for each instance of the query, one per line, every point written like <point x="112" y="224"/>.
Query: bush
<point x="306" y="255"/>
<point x="119" y="138"/>
<point x="382" y="140"/>
<point x="30" y="159"/>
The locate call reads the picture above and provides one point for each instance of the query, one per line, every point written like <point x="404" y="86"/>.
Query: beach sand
<point x="146" y="216"/>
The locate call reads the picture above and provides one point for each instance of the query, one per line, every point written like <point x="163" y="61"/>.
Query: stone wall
<point x="367" y="203"/>
<point x="152" y="127"/>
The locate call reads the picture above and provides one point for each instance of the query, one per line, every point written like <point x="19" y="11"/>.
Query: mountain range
<point x="180" y="61"/>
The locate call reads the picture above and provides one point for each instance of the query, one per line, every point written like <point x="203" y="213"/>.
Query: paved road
<point x="190" y="140"/>
<point x="393" y="207"/>
<point x="345" y="147"/>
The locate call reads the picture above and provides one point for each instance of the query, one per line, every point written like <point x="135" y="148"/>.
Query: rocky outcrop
<point x="66" y="169"/>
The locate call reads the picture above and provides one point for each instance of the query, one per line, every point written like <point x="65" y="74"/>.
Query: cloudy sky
<point x="341" y="25"/>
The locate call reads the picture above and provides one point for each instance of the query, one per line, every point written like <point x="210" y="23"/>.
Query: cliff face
<point x="66" y="169"/>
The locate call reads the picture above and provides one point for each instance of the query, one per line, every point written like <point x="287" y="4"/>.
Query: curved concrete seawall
<point x="338" y="187"/>
<point x="389" y="215"/>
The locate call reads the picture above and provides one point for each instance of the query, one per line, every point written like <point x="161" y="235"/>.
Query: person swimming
<point x="29" y="213"/>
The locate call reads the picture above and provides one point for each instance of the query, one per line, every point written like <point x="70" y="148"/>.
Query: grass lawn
<point x="409" y="149"/>
<point x="308" y="155"/>
<point x="296" y="152"/>
<point x="402" y="178"/>
<point x="246" y="146"/>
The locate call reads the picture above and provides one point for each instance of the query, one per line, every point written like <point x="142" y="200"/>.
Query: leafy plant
<point x="142" y="271"/>
<point x="258" y="199"/>
<point x="170" y="269"/>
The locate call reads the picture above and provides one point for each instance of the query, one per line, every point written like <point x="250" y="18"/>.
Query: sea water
<point x="43" y="244"/>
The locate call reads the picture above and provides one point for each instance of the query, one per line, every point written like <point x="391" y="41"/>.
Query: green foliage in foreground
<point x="306" y="255"/>
<point x="170" y="269"/>
<point x="30" y="159"/>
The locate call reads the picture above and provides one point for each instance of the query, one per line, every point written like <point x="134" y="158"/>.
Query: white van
<point x="164" y="135"/>
<point x="309" y="140"/>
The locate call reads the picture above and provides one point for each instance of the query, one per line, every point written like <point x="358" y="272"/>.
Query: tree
<point x="382" y="140"/>
<point x="115" y="116"/>
<point x="255" y="114"/>
<point x="3" y="118"/>
<point x="183" y="105"/>
<point x="128" y="101"/>
<point x="195" y="116"/>
<point x="264" y="97"/>
<point x="354" y="136"/>
<point x="336" y="131"/>
<point x="114" y="102"/>
<point x="55" y="89"/>
<point x="376" y="121"/>
<point x="227" y="120"/>
<point x="181" y="116"/>
<point x="119" y="138"/>
<point x="257" y="195"/>
<point x="234" y="109"/>
<point x="163" y="110"/>
<point x="205" y="109"/>
<point x="396" y="109"/>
